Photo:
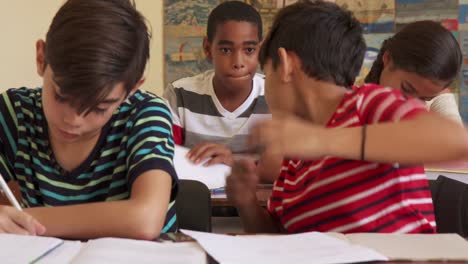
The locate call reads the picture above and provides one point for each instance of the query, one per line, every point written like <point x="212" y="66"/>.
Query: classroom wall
<point x="22" y="22"/>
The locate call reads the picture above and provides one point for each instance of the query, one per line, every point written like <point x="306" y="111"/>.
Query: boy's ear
<point x="40" y="57"/>
<point x="386" y="59"/>
<point x="207" y="48"/>
<point x="285" y="67"/>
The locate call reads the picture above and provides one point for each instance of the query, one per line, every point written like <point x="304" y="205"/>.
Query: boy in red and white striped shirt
<point x="354" y="178"/>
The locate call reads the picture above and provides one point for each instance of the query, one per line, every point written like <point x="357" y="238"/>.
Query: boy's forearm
<point x="142" y="216"/>
<point x="269" y="167"/>
<point x="423" y="139"/>
<point x="103" y="219"/>
<point x="256" y="219"/>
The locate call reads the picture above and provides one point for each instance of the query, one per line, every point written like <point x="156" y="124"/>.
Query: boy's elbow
<point x="147" y="226"/>
<point x="147" y="232"/>
<point x="463" y="148"/>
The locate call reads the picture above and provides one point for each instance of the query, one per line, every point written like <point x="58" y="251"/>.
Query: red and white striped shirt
<point x="338" y="195"/>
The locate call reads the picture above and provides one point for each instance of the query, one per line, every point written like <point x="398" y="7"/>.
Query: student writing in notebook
<point x="421" y="60"/>
<point x="213" y="111"/>
<point x="92" y="153"/>
<point x="355" y="153"/>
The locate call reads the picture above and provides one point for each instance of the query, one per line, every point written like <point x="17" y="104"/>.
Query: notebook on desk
<point x="213" y="176"/>
<point x="35" y="249"/>
<point x="332" y="247"/>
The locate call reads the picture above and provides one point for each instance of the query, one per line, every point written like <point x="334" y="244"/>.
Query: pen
<point x="9" y="194"/>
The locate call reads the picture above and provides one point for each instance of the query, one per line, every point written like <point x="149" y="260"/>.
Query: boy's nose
<point x="238" y="66"/>
<point x="238" y="62"/>
<point x="71" y="118"/>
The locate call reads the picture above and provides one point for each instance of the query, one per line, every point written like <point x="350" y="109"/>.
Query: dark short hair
<point x="92" y="45"/>
<point x="327" y="39"/>
<point x="425" y="48"/>
<point x="233" y="11"/>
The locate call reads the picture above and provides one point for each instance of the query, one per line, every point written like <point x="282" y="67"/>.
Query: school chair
<point x="450" y="198"/>
<point x="193" y="206"/>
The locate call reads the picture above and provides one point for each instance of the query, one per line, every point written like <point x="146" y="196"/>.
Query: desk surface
<point x="180" y="237"/>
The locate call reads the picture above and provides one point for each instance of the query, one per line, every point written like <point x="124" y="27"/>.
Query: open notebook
<point x="213" y="176"/>
<point x="332" y="247"/>
<point x="34" y="249"/>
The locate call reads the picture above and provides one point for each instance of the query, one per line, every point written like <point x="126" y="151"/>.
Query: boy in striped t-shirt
<point x="91" y="153"/>
<point x="214" y="111"/>
<point x="340" y="175"/>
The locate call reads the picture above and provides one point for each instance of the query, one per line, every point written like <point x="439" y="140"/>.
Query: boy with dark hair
<point x="214" y="110"/>
<point x="354" y="177"/>
<point x="91" y="153"/>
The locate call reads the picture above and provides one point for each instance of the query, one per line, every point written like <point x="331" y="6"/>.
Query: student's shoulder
<point x="371" y="91"/>
<point x="142" y="99"/>
<point x="23" y="93"/>
<point x="259" y="82"/>
<point x="368" y="88"/>
<point x="21" y="97"/>
<point x="199" y="83"/>
<point x="142" y="103"/>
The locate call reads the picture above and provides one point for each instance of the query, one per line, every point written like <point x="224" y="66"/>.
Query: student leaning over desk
<point x="91" y="153"/>
<point x="341" y="176"/>
<point x="421" y="60"/>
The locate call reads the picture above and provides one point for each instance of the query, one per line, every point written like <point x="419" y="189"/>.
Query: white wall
<point x="22" y="22"/>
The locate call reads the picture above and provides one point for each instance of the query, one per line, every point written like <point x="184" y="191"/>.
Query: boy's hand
<point x="289" y="137"/>
<point x="13" y="221"/>
<point x="241" y="185"/>
<point x="217" y="152"/>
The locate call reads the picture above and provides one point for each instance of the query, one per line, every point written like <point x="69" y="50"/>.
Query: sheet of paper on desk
<point x="298" y="248"/>
<point x="213" y="176"/>
<point x="25" y="249"/>
<point x="116" y="251"/>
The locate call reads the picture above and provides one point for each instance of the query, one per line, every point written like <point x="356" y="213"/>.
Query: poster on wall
<point x="463" y="93"/>
<point x="463" y="15"/>
<point x="185" y="26"/>
<point x="373" y="43"/>
<point x="376" y="16"/>
<point x="444" y="11"/>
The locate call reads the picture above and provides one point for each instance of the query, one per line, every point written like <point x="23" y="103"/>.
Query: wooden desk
<point x="14" y="187"/>
<point x="457" y="170"/>
<point x="181" y="237"/>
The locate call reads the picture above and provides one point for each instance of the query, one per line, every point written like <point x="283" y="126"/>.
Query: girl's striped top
<point x="332" y="194"/>
<point x="137" y="138"/>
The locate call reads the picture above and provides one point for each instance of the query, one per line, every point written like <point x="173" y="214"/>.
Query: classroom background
<point x="185" y="26"/>
<point x="178" y="27"/>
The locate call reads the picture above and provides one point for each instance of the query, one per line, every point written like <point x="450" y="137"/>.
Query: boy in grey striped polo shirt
<point x="214" y="111"/>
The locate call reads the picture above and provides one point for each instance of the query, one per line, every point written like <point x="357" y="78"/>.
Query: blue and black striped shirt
<point x="136" y="139"/>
